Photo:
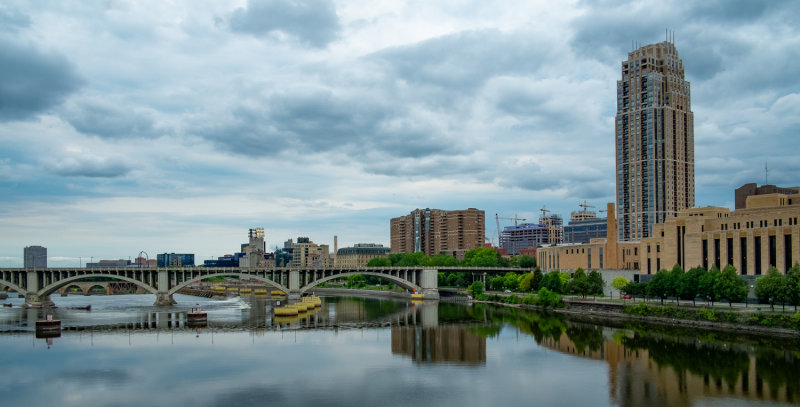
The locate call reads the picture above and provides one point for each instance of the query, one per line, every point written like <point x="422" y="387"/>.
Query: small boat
<point x="87" y="308"/>
<point x="7" y="305"/>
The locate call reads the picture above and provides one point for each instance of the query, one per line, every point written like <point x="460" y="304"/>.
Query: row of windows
<point x="761" y="223"/>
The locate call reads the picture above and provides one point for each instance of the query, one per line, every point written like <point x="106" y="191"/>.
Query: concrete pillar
<point x="294" y="285"/>
<point x="429" y="282"/>
<point x="32" y="297"/>
<point x="163" y="297"/>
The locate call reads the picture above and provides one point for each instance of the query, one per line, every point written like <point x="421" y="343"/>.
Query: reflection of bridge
<point x="37" y="284"/>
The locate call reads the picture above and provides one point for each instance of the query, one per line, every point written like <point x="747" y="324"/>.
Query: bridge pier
<point x="294" y="285"/>
<point x="164" y="299"/>
<point x="33" y="300"/>
<point x="429" y="282"/>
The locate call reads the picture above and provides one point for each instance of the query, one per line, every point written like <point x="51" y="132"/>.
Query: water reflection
<point x="358" y="350"/>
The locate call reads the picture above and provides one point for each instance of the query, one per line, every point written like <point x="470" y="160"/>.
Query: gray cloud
<point x="90" y="167"/>
<point x="12" y="21"/>
<point x="108" y="120"/>
<point x="33" y="80"/>
<point x="312" y="22"/>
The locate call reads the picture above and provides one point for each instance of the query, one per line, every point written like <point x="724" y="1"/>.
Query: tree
<point x="511" y="281"/>
<point x="769" y="288"/>
<point x="793" y="285"/>
<point x="659" y="285"/>
<point x="619" y="282"/>
<point x="475" y="289"/>
<point x="442" y="260"/>
<point x="674" y="281"/>
<point x="730" y="286"/>
<point x="496" y="283"/>
<point x="536" y="282"/>
<point x="707" y="285"/>
<point x="690" y="284"/>
<point x="525" y="261"/>
<point x="633" y="288"/>
<point x="596" y="283"/>
<point x="552" y="281"/>
<point x="579" y="283"/>
<point x="525" y="282"/>
<point x="481" y="257"/>
<point x="379" y="262"/>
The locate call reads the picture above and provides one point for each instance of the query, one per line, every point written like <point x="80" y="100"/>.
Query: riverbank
<point x="613" y="315"/>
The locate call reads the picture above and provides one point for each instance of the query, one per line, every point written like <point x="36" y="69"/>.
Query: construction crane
<point x="497" y="219"/>
<point x="585" y="206"/>
<point x="515" y="219"/>
<point x="544" y="211"/>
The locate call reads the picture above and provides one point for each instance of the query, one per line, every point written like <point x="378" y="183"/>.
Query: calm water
<point x="357" y="351"/>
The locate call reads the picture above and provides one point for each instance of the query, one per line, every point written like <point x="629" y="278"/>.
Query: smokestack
<point x="335" y="248"/>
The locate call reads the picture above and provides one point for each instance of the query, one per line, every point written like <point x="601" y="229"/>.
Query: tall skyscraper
<point x="654" y="140"/>
<point x="35" y="257"/>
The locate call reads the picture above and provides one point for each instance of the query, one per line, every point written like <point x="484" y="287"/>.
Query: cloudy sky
<point x="174" y="126"/>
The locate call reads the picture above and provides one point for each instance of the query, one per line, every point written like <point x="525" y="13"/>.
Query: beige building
<point x="599" y="253"/>
<point x="434" y="231"/>
<point x="306" y="253"/>
<point x="654" y="140"/>
<point x="360" y="254"/>
<point x="763" y="234"/>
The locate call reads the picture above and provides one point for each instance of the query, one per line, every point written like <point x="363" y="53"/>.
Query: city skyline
<point x="176" y="127"/>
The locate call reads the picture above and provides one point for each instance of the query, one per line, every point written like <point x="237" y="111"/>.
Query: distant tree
<point x="770" y="287"/>
<point x="659" y="285"/>
<point x="730" y="286"/>
<point x="537" y="279"/>
<point x="496" y="283"/>
<point x="475" y="289"/>
<point x="634" y="288"/>
<point x="525" y="282"/>
<point x="674" y="281"/>
<point x="708" y="283"/>
<point x="690" y="284"/>
<point x="596" y="283"/>
<point x="511" y="281"/>
<point x="379" y="262"/>
<point x="408" y="259"/>
<point x="525" y="261"/>
<point x="619" y="282"/>
<point x="793" y="285"/>
<point x="552" y="281"/>
<point x="481" y="257"/>
<point x="579" y="284"/>
<point x="442" y="260"/>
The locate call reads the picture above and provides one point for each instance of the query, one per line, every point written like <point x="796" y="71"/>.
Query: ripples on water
<point x="357" y="351"/>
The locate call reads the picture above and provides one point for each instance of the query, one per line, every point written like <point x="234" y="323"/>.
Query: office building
<point x="584" y="226"/>
<point x="360" y="254"/>
<point x="306" y="253"/>
<point x="434" y="231"/>
<point x="762" y="235"/>
<point x="175" y="260"/>
<point x="741" y="193"/>
<point x="654" y="132"/>
<point x="110" y="263"/>
<point x="35" y="257"/>
<point x="523" y="236"/>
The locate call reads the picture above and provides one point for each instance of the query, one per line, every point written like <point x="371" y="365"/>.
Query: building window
<point x="787" y="251"/>
<point x="757" y="249"/>
<point x="743" y="255"/>
<point x="773" y="251"/>
<point x="705" y="254"/>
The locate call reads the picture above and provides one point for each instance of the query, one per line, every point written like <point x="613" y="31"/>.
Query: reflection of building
<point x="35" y="257"/>
<point x="599" y="253"/>
<point x="443" y="344"/>
<point x="434" y="231"/>
<point x="654" y="140"/>
<point x="360" y="254"/>
<point x="175" y="260"/>
<point x="764" y="234"/>
<point x="660" y="373"/>
<point x="306" y="253"/>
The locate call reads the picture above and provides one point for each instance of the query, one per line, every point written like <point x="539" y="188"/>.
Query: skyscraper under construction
<point x="654" y="140"/>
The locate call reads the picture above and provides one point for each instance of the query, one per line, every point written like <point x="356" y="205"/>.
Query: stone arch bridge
<point x="37" y="284"/>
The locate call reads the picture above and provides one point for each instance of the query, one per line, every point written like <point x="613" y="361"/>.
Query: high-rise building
<point x="306" y="253"/>
<point x="434" y="231"/>
<point x="523" y="236"/>
<point x="35" y="257"/>
<point x="654" y="140"/>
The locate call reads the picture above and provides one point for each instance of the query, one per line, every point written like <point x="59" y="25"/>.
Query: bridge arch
<point x="14" y="287"/>
<point x="186" y="283"/>
<point x="47" y="290"/>
<point x="397" y="280"/>
<point x="65" y="289"/>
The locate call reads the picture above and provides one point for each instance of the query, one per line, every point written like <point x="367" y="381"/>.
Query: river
<point x="374" y="352"/>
